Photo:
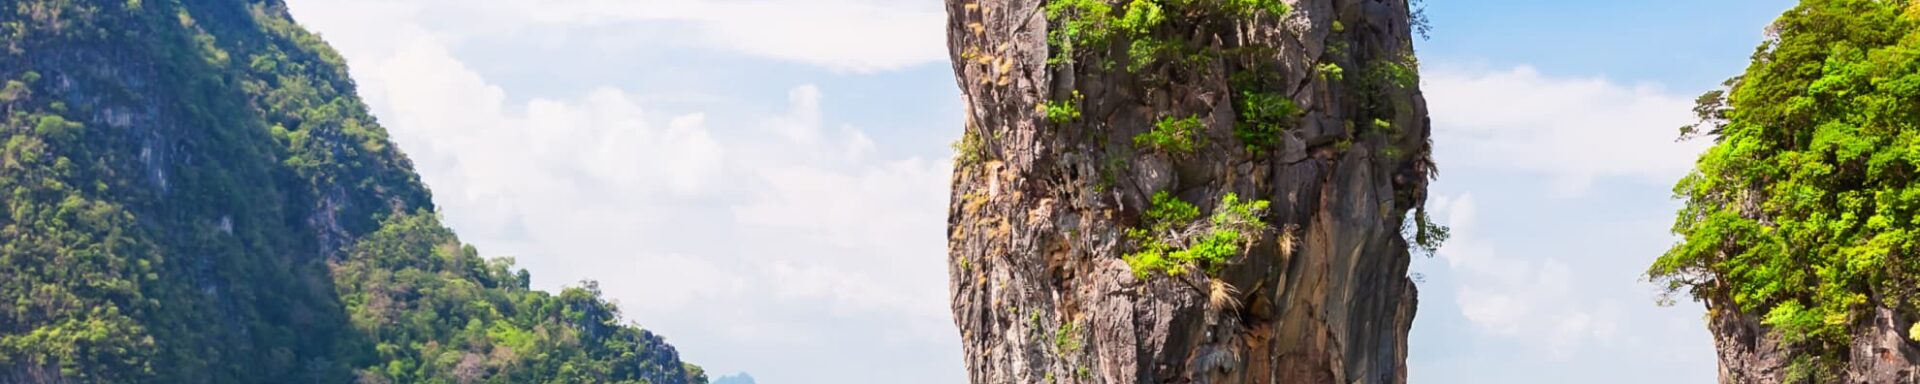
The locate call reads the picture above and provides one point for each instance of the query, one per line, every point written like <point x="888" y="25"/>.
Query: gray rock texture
<point x="1882" y="352"/>
<point x="1040" y="290"/>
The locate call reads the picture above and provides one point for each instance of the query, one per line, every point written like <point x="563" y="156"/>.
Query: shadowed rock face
<point x="1040" y="210"/>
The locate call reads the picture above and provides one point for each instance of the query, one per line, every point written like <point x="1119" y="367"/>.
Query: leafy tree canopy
<point x="1806" y="210"/>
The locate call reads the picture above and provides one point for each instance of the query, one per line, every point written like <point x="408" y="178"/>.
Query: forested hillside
<point x="190" y="192"/>
<point x="1802" y="223"/>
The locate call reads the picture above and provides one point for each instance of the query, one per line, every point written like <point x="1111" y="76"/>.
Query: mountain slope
<point x="1802" y="223"/>
<point x="1177" y="191"/>
<point x="192" y="193"/>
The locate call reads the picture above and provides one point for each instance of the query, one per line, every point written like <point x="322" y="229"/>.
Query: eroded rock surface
<point x="1040" y="290"/>
<point x="1882" y="352"/>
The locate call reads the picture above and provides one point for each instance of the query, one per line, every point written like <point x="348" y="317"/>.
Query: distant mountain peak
<point x="737" y="378"/>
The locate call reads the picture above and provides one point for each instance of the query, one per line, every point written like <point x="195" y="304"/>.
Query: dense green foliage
<point x="971" y="148"/>
<point x="1263" y="117"/>
<point x="184" y="189"/>
<point x="1173" y="136"/>
<point x="1064" y="111"/>
<point x="1806" y="210"/>
<point x="1097" y="23"/>
<point x="1077" y="23"/>
<point x="1331" y="71"/>
<point x="1146" y="33"/>
<point x="440" y="313"/>
<point x="1174" y="240"/>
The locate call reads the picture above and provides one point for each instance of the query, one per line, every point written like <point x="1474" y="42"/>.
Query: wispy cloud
<point x="1572" y="129"/>
<point x="1519" y="298"/>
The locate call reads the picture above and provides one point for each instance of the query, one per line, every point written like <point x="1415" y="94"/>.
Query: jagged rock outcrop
<point x="1041" y="288"/>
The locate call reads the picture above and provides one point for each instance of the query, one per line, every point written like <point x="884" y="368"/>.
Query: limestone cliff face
<point x="1751" y="352"/>
<point x="1040" y="288"/>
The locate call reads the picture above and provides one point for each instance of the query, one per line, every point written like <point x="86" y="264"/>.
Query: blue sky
<point x="764" y="181"/>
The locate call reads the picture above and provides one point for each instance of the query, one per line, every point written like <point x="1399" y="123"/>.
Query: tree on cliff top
<point x="1806" y="211"/>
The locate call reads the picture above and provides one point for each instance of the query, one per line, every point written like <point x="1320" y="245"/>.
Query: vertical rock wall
<point x="1040" y="209"/>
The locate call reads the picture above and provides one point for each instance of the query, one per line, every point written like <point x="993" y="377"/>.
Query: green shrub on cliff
<point x="1173" y="136"/>
<point x="1064" y="111"/>
<point x="1082" y="25"/>
<point x="1264" y="116"/>
<point x="1077" y="23"/>
<point x="1172" y="240"/>
<point x="1251" y="8"/>
<point x="1086" y="29"/>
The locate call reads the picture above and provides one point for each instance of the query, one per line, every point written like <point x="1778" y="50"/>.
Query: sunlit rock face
<point x="1042" y="289"/>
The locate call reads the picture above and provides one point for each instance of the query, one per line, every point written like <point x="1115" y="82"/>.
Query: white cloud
<point x="848" y="35"/>
<point x="1553" y="282"/>
<point x="877" y="226"/>
<point x="489" y="158"/>
<point x="743" y="239"/>
<point x="1518" y="124"/>
<point x="845" y="35"/>
<point x="560" y="176"/>
<point x="1516" y="298"/>
<point x="695" y="279"/>
<point x="802" y="124"/>
<point x="1573" y="130"/>
<point x="1497" y="313"/>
